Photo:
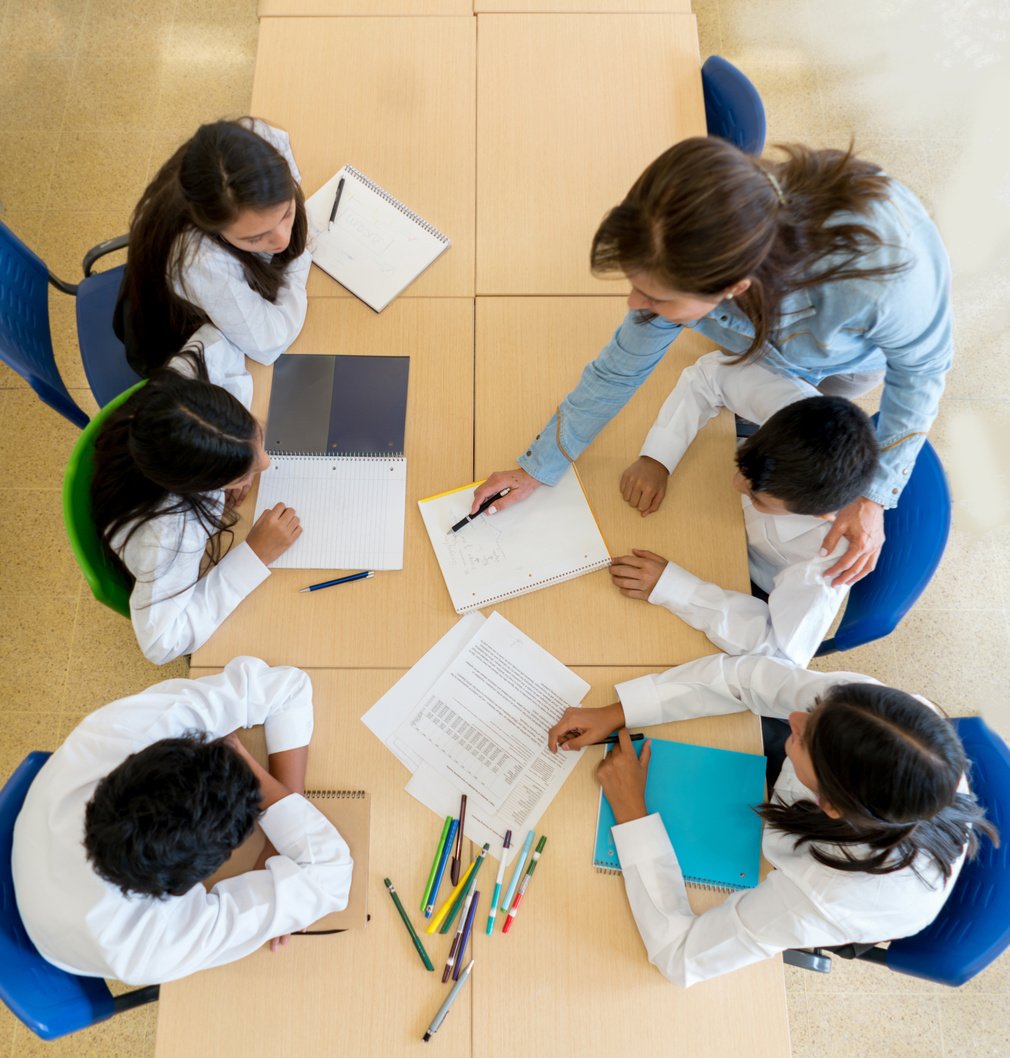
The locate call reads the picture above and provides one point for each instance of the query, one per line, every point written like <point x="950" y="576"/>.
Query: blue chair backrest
<point x="50" y="1001"/>
<point x="102" y="353"/>
<point x="973" y="926"/>
<point x="26" y="342"/>
<point x="916" y="532"/>
<point x="733" y="107"/>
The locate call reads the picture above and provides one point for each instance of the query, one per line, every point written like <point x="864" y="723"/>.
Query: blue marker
<point x="446" y="849"/>
<point x="520" y="860"/>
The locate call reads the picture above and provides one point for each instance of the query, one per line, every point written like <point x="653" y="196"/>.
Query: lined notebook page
<point x="351" y="510"/>
<point x="378" y="246"/>
<point x="548" y="538"/>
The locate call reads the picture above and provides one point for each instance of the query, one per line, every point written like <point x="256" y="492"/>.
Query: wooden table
<point x="570" y="979"/>
<point x="395" y="98"/>
<point x="269" y="8"/>
<point x="570" y="109"/>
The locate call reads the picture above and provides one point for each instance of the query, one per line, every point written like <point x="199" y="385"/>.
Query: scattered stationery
<point x="525" y="884"/>
<point x="471" y="877"/>
<point x="348" y="811"/>
<point x="410" y="928"/>
<point x="506" y="844"/>
<point x="335" y="436"/>
<point x="705" y="798"/>
<point x="437" y="1020"/>
<point x="518" y="873"/>
<point x="339" y="580"/>
<point x="375" y="246"/>
<point x="471" y="914"/>
<point x="548" y="538"/>
<point x="455" y="946"/>
<point x="472" y="717"/>
<point x="457" y="852"/>
<point x="450" y="902"/>
<point x="435" y="862"/>
<point x="443" y="860"/>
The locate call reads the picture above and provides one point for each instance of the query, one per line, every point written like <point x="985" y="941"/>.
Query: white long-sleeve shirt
<point x="801" y="903"/>
<point x="213" y="280"/>
<point x="225" y="363"/>
<point x="84" y="924"/>
<point x="783" y="550"/>
<point x="173" y="609"/>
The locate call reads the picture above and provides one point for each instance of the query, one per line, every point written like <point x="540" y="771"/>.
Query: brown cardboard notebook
<point x="348" y="811"/>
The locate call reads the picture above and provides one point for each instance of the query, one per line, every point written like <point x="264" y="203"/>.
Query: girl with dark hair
<point x="170" y="467"/>
<point x="819" y="265"/>
<point x="219" y="237"/>
<point x="867" y="828"/>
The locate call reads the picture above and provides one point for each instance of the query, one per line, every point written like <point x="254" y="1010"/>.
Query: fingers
<point x="646" y="755"/>
<point x="835" y="534"/>
<point x="495" y="483"/>
<point x="649" y="556"/>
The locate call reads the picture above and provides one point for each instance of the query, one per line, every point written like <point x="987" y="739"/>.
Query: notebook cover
<point x="338" y="405"/>
<point x="349" y="811"/>
<point x="705" y="798"/>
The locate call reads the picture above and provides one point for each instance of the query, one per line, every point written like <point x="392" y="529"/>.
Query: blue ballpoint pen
<point x="441" y="868"/>
<point x="520" y="860"/>
<point x="506" y="844"/>
<point x="339" y="580"/>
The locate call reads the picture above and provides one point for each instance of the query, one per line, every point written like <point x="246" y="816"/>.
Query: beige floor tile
<point x="993" y="980"/>
<point x="22" y="733"/>
<point x="50" y="28"/>
<point x="35" y="442"/>
<point x="67" y="235"/>
<point x="709" y="27"/>
<point x="964" y="580"/>
<point x="34" y="652"/>
<point x="129" y="1035"/>
<point x="7" y="1019"/>
<point x="842" y="1026"/>
<point x="115" y="31"/>
<point x="981" y="335"/>
<point x="35" y="556"/>
<point x="242" y="11"/>
<point x="25" y="223"/>
<point x="99" y="102"/>
<point x="855" y="977"/>
<point x="26" y="168"/>
<point x="25" y="106"/>
<point x="790" y="96"/>
<point x="975" y="1026"/>
<point x="99" y="170"/>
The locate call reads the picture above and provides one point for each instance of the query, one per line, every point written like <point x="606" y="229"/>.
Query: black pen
<point x="480" y="510"/>
<point x="613" y="740"/>
<point x="336" y="202"/>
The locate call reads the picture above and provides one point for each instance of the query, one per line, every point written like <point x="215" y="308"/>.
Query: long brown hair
<point x="705" y="215"/>
<point x="224" y="168"/>
<point x="891" y="766"/>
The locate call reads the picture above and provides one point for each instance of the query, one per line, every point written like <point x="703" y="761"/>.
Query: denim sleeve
<point x="913" y="329"/>
<point x="607" y="384"/>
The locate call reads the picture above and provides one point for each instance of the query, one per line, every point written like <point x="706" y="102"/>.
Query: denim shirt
<point x="899" y="324"/>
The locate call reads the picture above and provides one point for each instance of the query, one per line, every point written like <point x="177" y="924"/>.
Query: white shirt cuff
<point x="657" y="446"/>
<point x="640" y="700"/>
<point x="674" y="588"/>
<point x="245" y="563"/>
<point x="641" y="840"/>
<point x="284" y="823"/>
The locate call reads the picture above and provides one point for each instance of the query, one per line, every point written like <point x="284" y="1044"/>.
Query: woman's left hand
<point x="862" y="524"/>
<point x="622" y="776"/>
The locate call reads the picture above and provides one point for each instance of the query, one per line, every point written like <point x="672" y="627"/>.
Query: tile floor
<point x="94" y="94"/>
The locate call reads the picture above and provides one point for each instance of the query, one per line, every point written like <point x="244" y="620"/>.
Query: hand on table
<point x="643" y="484"/>
<point x="622" y="776"/>
<point x="582" y="727"/>
<point x="862" y="524"/>
<point x="274" y="532"/>
<point x="635" y="575"/>
<point x="520" y="484"/>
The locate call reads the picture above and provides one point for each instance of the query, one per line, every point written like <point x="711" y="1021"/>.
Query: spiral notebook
<point x="706" y="799"/>
<point x="549" y="538"/>
<point x="335" y="436"/>
<point x="377" y="246"/>
<point x="349" y="811"/>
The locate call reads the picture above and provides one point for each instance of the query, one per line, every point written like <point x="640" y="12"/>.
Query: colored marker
<point x="446" y="849"/>
<point x="437" y="1020"/>
<point x="410" y="928"/>
<point x="450" y="900"/>
<point x="454" y="947"/>
<point x="472" y="872"/>
<point x="506" y="844"/>
<point x="467" y="929"/>
<point x="458" y="852"/>
<point x="517" y="874"/>
<point x="339" y="580"/>
<point x="434" y="864"/>
<point x="514" y="909"/>
<point x="480" y="510"/>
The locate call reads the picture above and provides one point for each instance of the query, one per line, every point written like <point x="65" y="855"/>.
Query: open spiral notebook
<point x="548" y="538"/>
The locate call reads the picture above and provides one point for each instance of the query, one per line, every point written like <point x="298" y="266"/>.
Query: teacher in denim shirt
<point x="819" y="265"/>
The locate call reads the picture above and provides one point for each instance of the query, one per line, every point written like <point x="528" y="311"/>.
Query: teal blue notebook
<point x="705" y="798"/>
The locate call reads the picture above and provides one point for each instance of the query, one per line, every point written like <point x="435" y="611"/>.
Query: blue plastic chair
<point x="25" y="338"/>
<point x="50" y="1001"/>
<point x="973" y="926"/>
<point x="733" y="107"/>
<point x="916" y="535"/>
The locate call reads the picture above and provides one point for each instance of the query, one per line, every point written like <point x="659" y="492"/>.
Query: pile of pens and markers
<point x="463" y="900"/>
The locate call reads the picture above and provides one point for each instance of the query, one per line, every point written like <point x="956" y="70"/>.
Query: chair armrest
<point x="808" y="959"/>
<point x="101" y="250"/>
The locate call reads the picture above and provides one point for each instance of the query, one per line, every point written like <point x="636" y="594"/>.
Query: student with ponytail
<point x="219" y="237"/>
<point x="171" y="465"/>
<point x="867" y="828"/>
<point x="819" y="266"/>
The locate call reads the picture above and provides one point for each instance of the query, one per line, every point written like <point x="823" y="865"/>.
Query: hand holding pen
<point x="585" y="727"/>
<point x="520" y="486"/>
<point x="485" y="506"/>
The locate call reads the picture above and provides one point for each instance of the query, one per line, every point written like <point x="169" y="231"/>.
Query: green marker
<point x="454" y="910"/>
<point x="426" y="899"/>
<point x="410" y="929"/>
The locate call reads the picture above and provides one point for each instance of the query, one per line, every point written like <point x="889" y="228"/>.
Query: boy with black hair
<point x="812" y="456"/>
<point x="147" y="798"/>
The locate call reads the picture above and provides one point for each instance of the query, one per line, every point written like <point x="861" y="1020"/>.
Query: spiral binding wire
<point x="536" y="586"/>
<point x="397" y="204"/>
<point x="330" y="795"/>
<point x="708" y="884"/>
<point x="366" y="457"/>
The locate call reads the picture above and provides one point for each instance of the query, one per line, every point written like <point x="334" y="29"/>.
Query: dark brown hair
<point x="224" y="168"/>
<point x="705" y="215"/>
<point x="891" y="766"/>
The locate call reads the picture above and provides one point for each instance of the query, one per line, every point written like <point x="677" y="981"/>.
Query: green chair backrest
<point x="108" y="585"/>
